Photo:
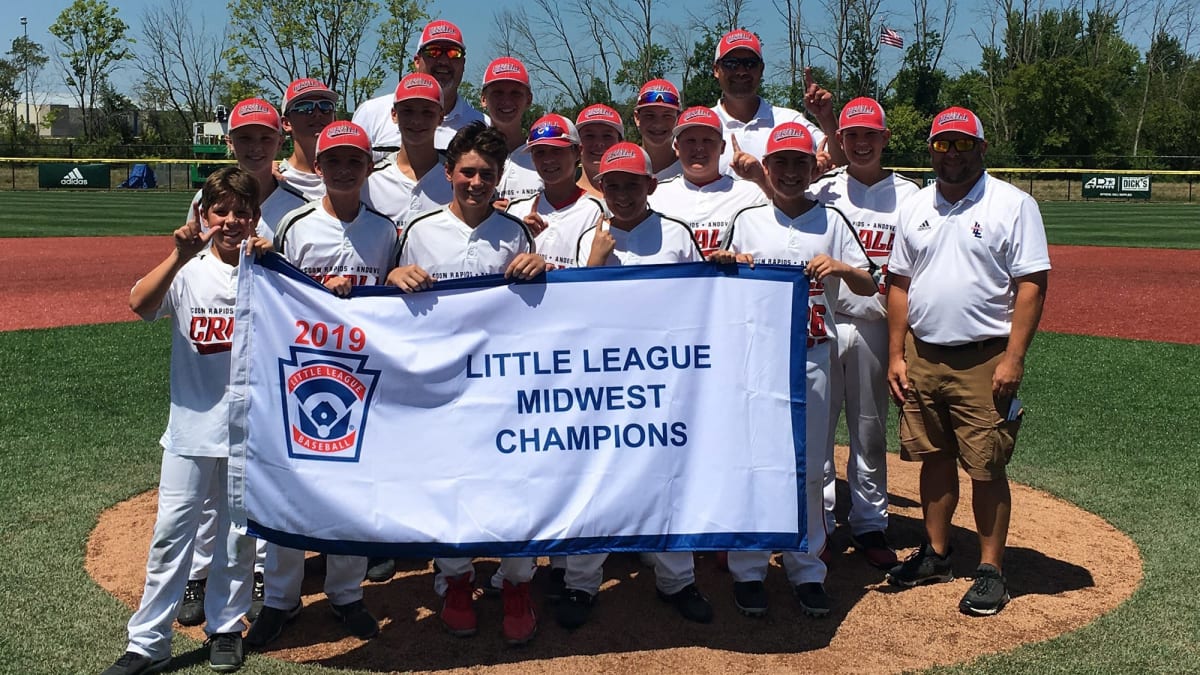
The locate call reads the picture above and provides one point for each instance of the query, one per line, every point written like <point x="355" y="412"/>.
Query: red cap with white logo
<point x="956" y="119"/>
<point x="441" y="31"/>
<point x="863" y="112"/>
<point x="790" y="136"/>
<point x="658" y="92"/>
<point x="254" y="111"/>
<point x="626" y="157"/>
<point x="698" y="116"/>
<point x="419" y="86"/>
<point x="738" y="39"/>
<point x="554" y="130"/>
<point x="340" y="134"/>
<point x="600" y="113"/>
<point x="306" y="87"/>
<point x="506" y="68"/>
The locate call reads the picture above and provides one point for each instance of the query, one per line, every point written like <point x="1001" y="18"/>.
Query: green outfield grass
<point x="1108" y="429"/>
<point x="73" y="214"/>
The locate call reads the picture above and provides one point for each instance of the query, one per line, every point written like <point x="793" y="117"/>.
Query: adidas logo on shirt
<point x="923" y="226"/>
<point x="73" y="177"/>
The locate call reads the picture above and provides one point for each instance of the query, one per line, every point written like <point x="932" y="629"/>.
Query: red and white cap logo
<point x="699" y="116"/>
<point x="658" y="92"/>
<point x="553" y="130"/>
<point x="254" y="111"/>
<point x="626" y="157"/>
<point x="419" y="86"/>
<point x="306" y="87"/>
<point x="343" y="134"/>
<point x="790" y="136"/>
<point x="600" y="113"/>
<point x="441" y="31"/>
<point x="738" y="39"/>
<point x="505" y="68"/>
<point x="863" y="112"/>
<point x="956" y="119"/>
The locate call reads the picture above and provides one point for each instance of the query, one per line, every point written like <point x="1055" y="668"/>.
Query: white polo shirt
<point x="200" y="302"/>
<point x="391" y="192"/>
<point x="657" y="239"/>
<point x="752" y="136"/>
<point x="775" y="239"/>
<point x="872" y="211"/>
<point x="448" y="248"/>
<point x="962" y="259"/>
<point x="519" y="179"/>
<point x="707" y="209"/>
<point x="375" y="117"/>
<point x="308" y="184"/>
<point x="323" y="246"/>
<point x="564" y="225"/>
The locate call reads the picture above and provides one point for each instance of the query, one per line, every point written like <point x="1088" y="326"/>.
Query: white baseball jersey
<point x="448" y="248"/>
<point x="707" y="209"/>
<point x="564" y="225"/>
<point x="752" y="136"/>
<point x="775" y="239"/>
<point x="200" y="302"/>
<point x="962" y="259"/>
<point x="308" y="184"/>
<point x="657" y="239"/>
<point x="519" y="179"/>
<point x="391" y="192"/>
<point x="670" y="171"/>
<point x="323" y="246"/>
<point x="375" y="117"/>
<point x="872" y="211"/>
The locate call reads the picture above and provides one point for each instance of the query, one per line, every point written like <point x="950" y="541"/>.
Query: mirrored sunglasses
<point x="734" y="62"/>
<point x="663" y="97"/>
<point x="309" y="107"/>
<point x="544" y="132"/>
<point x="961" y="145"/>
<point x="452" y="53"/>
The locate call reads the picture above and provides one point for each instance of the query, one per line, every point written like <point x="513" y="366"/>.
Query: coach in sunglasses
<point x="749" y="119"/>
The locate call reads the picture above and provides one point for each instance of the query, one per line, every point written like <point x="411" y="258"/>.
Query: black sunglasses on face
<point x="452" y="53"/>
<point x="734" y="62"/>
<point x="309" y="107"/>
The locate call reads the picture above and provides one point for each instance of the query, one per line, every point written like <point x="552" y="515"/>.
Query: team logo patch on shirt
<point x="326" y="396"/>
<point x="977" y="230"/>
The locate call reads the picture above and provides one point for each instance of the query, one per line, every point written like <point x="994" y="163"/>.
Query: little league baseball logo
<point x="326" y="396"/>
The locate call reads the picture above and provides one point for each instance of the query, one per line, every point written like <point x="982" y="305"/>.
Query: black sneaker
<point x="556" y="588"/>
<point x="987" y="595"/>
<point x="357" y="620"/>
<point x="257" y="596"/>
<point x="750" y="597"/>
<point x="875" y="547"/>
<point x="690" y="602"/>
<point x="191" y="610"/>
<point x="133" y="663"/>
<point x="380" y="570"/>
<point x="269" y="625"/>
<point x="922" y="567"/>
<point x="813" y="599"/>
<point x="225" y="652"/>
<point x="574" y="608"/>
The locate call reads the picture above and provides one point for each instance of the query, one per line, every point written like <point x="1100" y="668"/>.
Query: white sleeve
<point x="1027" y="251"/>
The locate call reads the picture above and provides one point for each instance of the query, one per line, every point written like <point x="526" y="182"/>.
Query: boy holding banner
<point x="195" y="286"/>
<point x="796" y="230"/>
<point x="470" y="238"/>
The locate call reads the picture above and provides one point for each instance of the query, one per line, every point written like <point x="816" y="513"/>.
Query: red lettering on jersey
<point x="355" y="279"/>
<point x="876" y="242"/>
<point x="708" y="239"/>
<point x="211" y="334"/>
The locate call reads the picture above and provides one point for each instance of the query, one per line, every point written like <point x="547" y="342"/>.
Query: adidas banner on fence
<point x="649" y="408"/>
<point x="73" y="176"/>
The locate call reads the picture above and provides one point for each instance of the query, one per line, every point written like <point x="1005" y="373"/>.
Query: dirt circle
<point x="1065" y="568"/>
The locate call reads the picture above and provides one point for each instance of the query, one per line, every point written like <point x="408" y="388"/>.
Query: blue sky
<point x="962" y="53"/>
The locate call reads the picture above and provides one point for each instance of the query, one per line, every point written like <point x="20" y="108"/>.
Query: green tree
<point x="93" y="44"/>
<point x="701" y="88"/>
<point x="10" y="95"/>
<point x="28" y="58"/>
<point x="405" y="19"/>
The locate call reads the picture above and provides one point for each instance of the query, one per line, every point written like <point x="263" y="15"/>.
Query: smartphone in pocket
<point x="1014" y="410"/>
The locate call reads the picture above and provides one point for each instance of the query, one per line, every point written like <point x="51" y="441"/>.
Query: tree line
<point x="1057" y="85"/>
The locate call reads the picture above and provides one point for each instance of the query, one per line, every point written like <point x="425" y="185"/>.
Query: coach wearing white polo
<point x="968" y="275"/>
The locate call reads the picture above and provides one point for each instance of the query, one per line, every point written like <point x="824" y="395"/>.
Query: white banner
<point x="650" y="408"/>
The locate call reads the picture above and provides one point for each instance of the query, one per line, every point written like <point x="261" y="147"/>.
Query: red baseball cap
<point x="419" y="86"/>
<point x="699" y="116"/>
<point x="863" y="112"/>
<point x="554" y="130"/>
<point x="506" y="68"/>
<point x="254" y="111"/>
<point x="790" y="136"/>
<point x="738" y="39"/>
<point x="441" y="31"/>
<point x="600" y="113"/>
<point x="306" y="87"/>
<point x="658" y="92"/>
<point x="626" y="157"/>
<point x="956" y="119"/>
<point x="348" y="134"/>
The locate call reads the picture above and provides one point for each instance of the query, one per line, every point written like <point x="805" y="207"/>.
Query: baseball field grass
<point x="80" y="214"/>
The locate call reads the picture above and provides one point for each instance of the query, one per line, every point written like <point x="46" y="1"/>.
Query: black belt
<point x="969" y="346"/>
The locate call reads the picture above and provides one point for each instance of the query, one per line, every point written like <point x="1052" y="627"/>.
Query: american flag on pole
<point x="891" y="38"/>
